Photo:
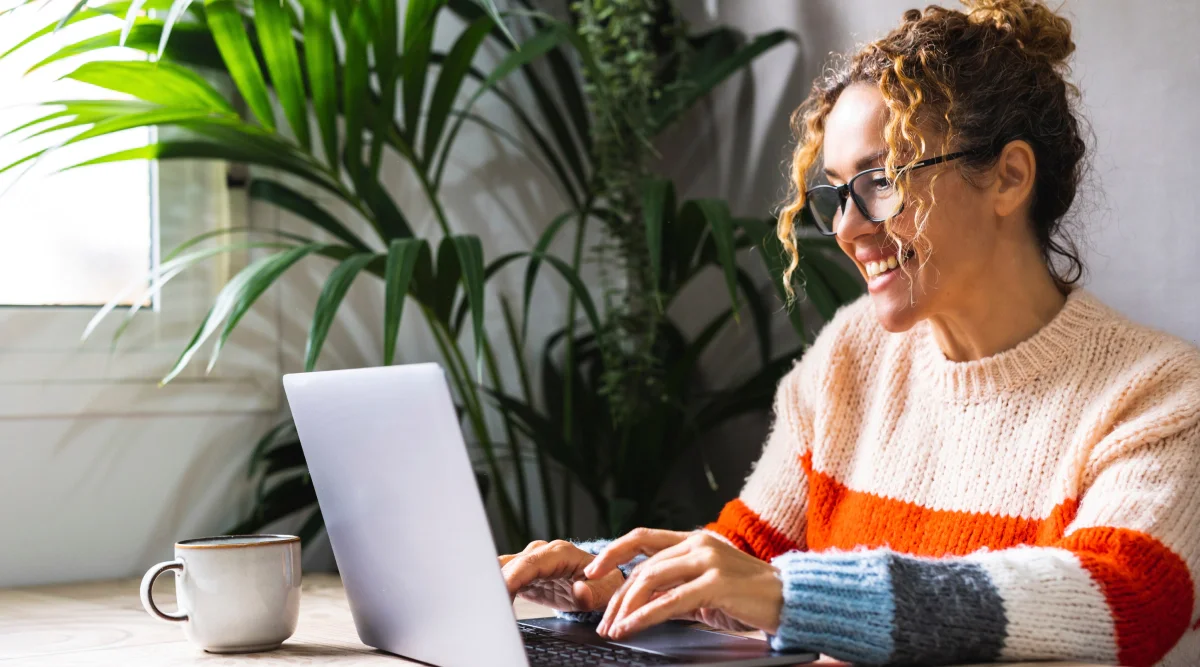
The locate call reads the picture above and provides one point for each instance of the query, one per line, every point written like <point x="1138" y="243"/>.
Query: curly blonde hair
<point x="978" y="79"/>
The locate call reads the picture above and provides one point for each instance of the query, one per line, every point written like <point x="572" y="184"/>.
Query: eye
<point x="881" y="183"/>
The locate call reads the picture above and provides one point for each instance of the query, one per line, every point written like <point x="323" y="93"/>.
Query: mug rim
<point x="262" y="540"/>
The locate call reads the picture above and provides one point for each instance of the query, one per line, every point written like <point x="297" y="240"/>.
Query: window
<point x="76" y="237"/>
<point x="73" y="240"/>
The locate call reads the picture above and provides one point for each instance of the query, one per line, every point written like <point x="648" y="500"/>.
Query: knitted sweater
<point x="1040" y="503"/>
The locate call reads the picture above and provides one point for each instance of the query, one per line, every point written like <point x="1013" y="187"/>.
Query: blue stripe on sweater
<point x="837" y="603"/>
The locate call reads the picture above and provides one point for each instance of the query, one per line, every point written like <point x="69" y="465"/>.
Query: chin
<point x="895" y="309"/>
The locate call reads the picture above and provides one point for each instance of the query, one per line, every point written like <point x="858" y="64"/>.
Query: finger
<point x="614" y="605"/>
<point x="646" y="541"/>
<point x="679" y="600"/>
<point x="662" y="576"/>
<point x="507" y="557"/>
<point x="556" y="560"/>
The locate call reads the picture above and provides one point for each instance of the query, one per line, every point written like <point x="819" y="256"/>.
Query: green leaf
<point x="321" y="57"/>
<point x="758" y="310"/>
<point x="131" y="17"/>
<point x="66" y="19"/>
<point x="386" y="216"/>
<point x="274" y="28"/>
<point x="225" y="22"/>
<point x="158" y="83"/>
<point x="288" y="199"/>
<point x="529" y="51"/>
<point x="470" y="258"/>
<point x="249" y="282"/>
<point x="256" y="283"/>
<point x="681" y="374"/>
<point x="454" y="69"/>
<point x="489" y="6"/>
<point x="570" y="93"/>
<point x="403" y="255"/>
<point x="159" y="116"/>
<point x="163" y="273"/>
<point x="419" y="22"/>
<point x="178" y="8"/>
<point x="720" y="223"/>
<point x="144" y="37"/>
<point x="335" y="289"/>
<point x="578" y="287"/>
<point x="387" y="68"/>
<point x="460" y="314"/>
<point x="658" y="207"/>
<point x="232" y="152"/>
<point x="284" y="429"/>
<point x="845" y="286"/>
<point x="287" y="458"/>
<point x="355" y="87"/>
<point x="762" y="234"/>
<point x="228" y="231"/>
<point x="107" y="9"/>
<point x="284" y="499"/>
<point x="535" y="263"/>
<point x="534" y="130"/>
<point x="707" y="73"/>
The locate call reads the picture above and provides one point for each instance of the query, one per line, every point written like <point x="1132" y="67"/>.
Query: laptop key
<point x="544" y="649"/>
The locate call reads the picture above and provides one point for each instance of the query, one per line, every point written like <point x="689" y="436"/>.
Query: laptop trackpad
<point x="675" y="639"/>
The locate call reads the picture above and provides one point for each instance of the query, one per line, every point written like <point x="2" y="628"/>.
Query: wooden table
<point x="103" y="624"/>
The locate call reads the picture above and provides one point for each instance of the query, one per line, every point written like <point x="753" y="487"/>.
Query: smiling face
<point x="912" y="273"/>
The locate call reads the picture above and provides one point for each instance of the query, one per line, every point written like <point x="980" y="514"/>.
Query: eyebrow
<point x="863" y="164"/>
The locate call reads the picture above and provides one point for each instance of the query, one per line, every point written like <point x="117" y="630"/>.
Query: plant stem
<point x="523" y="373"/>
<point x="569" y="362"/>
<point x="514" y="448"/>
<point x="466" y="389"/>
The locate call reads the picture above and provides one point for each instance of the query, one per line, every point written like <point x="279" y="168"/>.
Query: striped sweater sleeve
<point x="1116" y="588"/>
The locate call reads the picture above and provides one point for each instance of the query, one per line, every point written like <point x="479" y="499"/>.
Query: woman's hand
<point x="551" y="574"/>
<point x="688" y="575"/>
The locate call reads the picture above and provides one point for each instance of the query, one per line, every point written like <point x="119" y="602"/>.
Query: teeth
<point x="885" y="265"/>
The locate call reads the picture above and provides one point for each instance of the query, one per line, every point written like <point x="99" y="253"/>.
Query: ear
<point x="1016" y="170"/>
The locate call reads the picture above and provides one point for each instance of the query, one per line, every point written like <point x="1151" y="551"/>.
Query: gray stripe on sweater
<point x="945" y="609"/>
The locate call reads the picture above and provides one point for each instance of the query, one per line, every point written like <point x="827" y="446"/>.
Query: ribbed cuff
<point x="837" y="603"/>
<point x="594" y="547"/>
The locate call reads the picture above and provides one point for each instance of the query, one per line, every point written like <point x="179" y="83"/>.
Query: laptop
<point x="412" y="541"/>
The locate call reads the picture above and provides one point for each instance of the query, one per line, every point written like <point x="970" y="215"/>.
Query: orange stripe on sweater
<point x="842" y="518"/>
<point x="1147" y="586"/>
<point x="748" y="532"/>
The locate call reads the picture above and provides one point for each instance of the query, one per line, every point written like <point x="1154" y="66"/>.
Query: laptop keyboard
<point x="546" y="649"/>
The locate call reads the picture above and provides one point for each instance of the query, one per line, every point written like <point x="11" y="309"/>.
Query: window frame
<point x="46" y="370"/>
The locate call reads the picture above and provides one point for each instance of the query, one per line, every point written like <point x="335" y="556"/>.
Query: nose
<point x="852" y="224"/>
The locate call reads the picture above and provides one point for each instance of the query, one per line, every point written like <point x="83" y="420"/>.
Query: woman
<point x="978" y="460"/>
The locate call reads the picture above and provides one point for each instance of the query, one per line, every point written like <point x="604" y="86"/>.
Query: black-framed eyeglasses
<point x="874" y="195"/>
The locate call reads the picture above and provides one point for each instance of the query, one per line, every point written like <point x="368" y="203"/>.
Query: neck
<point x="1022" y="298"/>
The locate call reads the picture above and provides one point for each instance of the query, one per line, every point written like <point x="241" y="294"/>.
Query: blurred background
<point x="567" y="204"/>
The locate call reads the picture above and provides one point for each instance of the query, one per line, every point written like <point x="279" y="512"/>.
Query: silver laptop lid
<point x="404" y="516"/>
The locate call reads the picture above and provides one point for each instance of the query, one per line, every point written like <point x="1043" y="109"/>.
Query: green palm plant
<point x="324" y="110"/>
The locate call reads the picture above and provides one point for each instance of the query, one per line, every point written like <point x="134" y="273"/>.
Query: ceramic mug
<point x="236" y="594"/>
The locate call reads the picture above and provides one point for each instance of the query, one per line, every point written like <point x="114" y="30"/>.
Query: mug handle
<point x="148" y="598"/>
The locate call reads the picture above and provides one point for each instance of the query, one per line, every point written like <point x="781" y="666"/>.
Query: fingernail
<point x="589" y="570"/>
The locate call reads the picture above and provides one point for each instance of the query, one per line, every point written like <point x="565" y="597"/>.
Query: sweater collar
<point x="1005" y="371"/>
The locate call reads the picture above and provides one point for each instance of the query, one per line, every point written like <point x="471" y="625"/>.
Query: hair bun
<point x="1037" y="30"/>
